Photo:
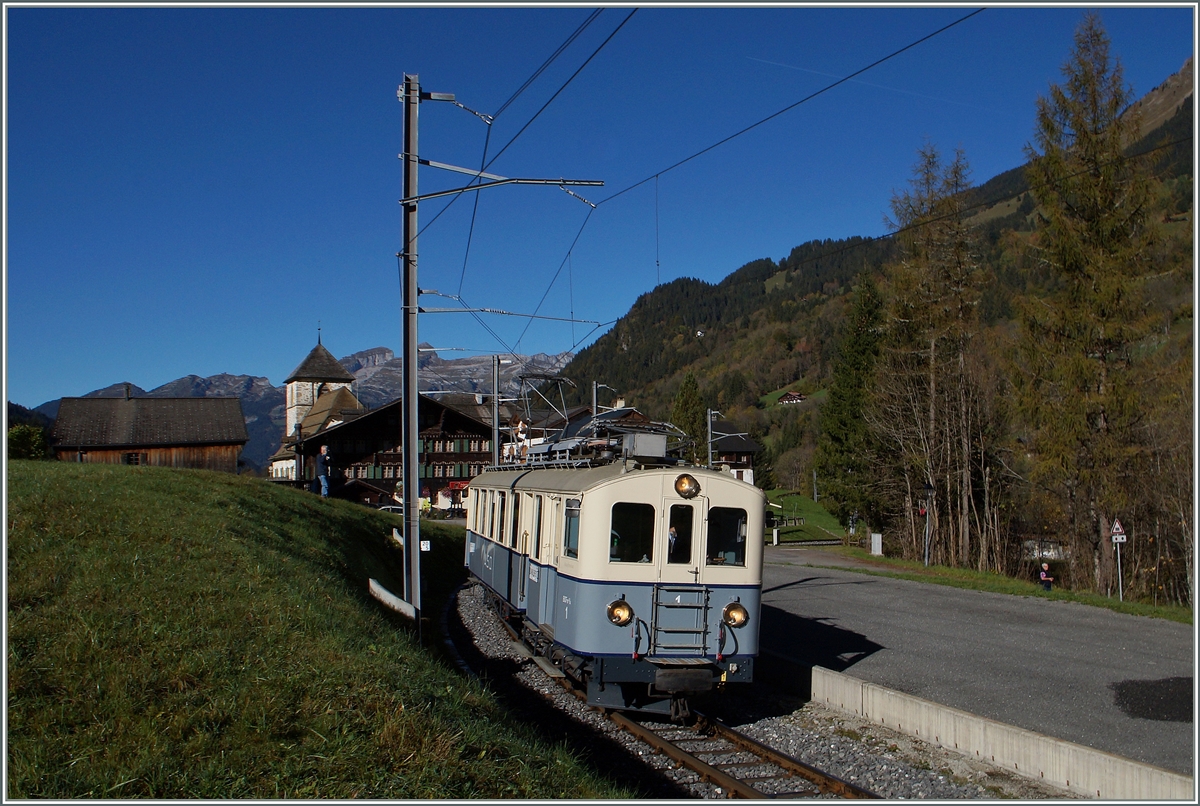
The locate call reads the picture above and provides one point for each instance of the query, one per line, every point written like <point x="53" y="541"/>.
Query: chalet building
<point x="791" y="397"/>
<point x="195" y="432"/>
<point x="368" y="463"/>
<point x="734" y="451"/>
<point x="364" y="445"/>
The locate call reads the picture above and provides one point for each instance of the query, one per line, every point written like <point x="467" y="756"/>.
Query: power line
<point x="488" y="164"/>
<point x="566" y="84"/>
<point x="549" y="61"/>
<point x="733" y="136"/>
<point x="790" y="107"/>
<point x="487" y="140"/>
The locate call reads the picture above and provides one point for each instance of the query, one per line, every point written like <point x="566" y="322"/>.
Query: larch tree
<point x="925" y="413"/>
<point x="1077" y="379"/>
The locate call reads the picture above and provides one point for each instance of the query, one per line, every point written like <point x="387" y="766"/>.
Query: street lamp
<point x="595" y="388"/>
<point x="928" y="506"/>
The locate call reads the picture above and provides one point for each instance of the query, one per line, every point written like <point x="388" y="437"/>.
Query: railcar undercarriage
<point x="645" y="684"/>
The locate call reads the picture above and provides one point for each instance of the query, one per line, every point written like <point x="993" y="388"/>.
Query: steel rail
<point x="706" y="728"/>
<point x="825" y="781"/>
<point x="731" y="785"/>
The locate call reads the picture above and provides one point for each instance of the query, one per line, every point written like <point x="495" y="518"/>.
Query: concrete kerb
<point x="1089" y="772"/>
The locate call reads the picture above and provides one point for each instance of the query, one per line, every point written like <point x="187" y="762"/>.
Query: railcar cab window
<point x="631" y="538"/>
<point x="679" y="534"/>
<point x="726" y="536"/>
<point x="571" y="530"/>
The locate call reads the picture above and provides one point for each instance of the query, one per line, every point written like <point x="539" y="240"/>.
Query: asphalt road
<point x="1119" y="683"/>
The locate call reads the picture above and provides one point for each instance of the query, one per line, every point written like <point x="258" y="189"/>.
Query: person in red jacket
<point x="1045" y="577"/>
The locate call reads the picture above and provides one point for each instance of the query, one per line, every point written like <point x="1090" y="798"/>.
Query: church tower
<point x="320" y="372"/>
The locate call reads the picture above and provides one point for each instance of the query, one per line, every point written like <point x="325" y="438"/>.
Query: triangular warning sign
<point x="1117" y="528"/>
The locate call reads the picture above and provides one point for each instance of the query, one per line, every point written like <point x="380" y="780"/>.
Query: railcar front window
<point x="726" y="536"/>
<point x="631" y="538"/>
<point x="571" y="531"/>
<point x="679" y="535"/>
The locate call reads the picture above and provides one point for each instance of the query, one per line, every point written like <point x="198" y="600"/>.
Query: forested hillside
<point x="1018" y="352"/>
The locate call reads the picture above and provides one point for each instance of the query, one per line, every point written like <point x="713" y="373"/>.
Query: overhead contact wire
<point x="483" y="158"/>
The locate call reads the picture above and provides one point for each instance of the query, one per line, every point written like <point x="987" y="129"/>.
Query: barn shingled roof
<point x="95" y="422"/>
<point x="320" y="365"/>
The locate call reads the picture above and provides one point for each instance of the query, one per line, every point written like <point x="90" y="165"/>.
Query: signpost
<point x="1118" y="537"/>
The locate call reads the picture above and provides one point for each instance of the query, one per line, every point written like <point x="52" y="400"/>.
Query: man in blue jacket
<point x="323" y="470"/>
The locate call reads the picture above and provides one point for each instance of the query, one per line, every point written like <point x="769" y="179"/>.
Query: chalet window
<point x="134" y="459"/>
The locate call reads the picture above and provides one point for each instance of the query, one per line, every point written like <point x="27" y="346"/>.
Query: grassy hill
<point x="181" y="634"/>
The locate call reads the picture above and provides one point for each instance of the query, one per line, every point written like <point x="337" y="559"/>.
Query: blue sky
<point x="191" y="190"/>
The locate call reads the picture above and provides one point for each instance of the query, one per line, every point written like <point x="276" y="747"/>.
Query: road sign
<point x="1118" y="532"/>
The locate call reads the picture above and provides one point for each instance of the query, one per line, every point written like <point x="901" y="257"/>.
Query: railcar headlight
<point x="686" y="486"/>
<point x="734" y="614"/>
<point x="620" y="612"/>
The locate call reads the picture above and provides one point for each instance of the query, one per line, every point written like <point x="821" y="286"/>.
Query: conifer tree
<point x="688" y="413"/>
<point x="843" y="456"/>
<point x="1077" y="382"/>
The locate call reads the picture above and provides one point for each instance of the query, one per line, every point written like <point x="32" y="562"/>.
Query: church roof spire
<point x="320" y="365"/>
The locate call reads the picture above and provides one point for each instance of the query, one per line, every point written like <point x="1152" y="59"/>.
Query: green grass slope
<point x="793" y="506"/>
<point x="189" y="634"/>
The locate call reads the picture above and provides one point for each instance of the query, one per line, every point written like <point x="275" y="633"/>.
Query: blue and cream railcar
<point x="641" y="583"/>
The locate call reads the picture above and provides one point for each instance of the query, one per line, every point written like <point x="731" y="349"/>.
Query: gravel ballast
<point x="891" y="764"/>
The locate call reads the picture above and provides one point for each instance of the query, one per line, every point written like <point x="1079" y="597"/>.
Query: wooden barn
<point x="196" y="432"/>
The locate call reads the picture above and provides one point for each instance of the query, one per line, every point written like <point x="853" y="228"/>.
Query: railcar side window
<point x="679" y="535"/>
<point x="571" y="532"/>
<point x="491" y="518"/>
<point x="516" y="519"/>
<point x="537" y="527"/>
<point x="631" y="538"/>
<point x="500" y="520"/>
<point x="726" y="536"/>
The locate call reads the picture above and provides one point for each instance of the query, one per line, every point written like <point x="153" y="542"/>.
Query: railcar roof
<point x="576" y="480"/>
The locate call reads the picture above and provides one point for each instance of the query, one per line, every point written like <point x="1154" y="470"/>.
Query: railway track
<point x="736" y="764"/>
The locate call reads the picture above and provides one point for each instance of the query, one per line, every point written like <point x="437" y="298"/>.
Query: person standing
<point x="1045" y="577"/>
<point x="323" y="470"/>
